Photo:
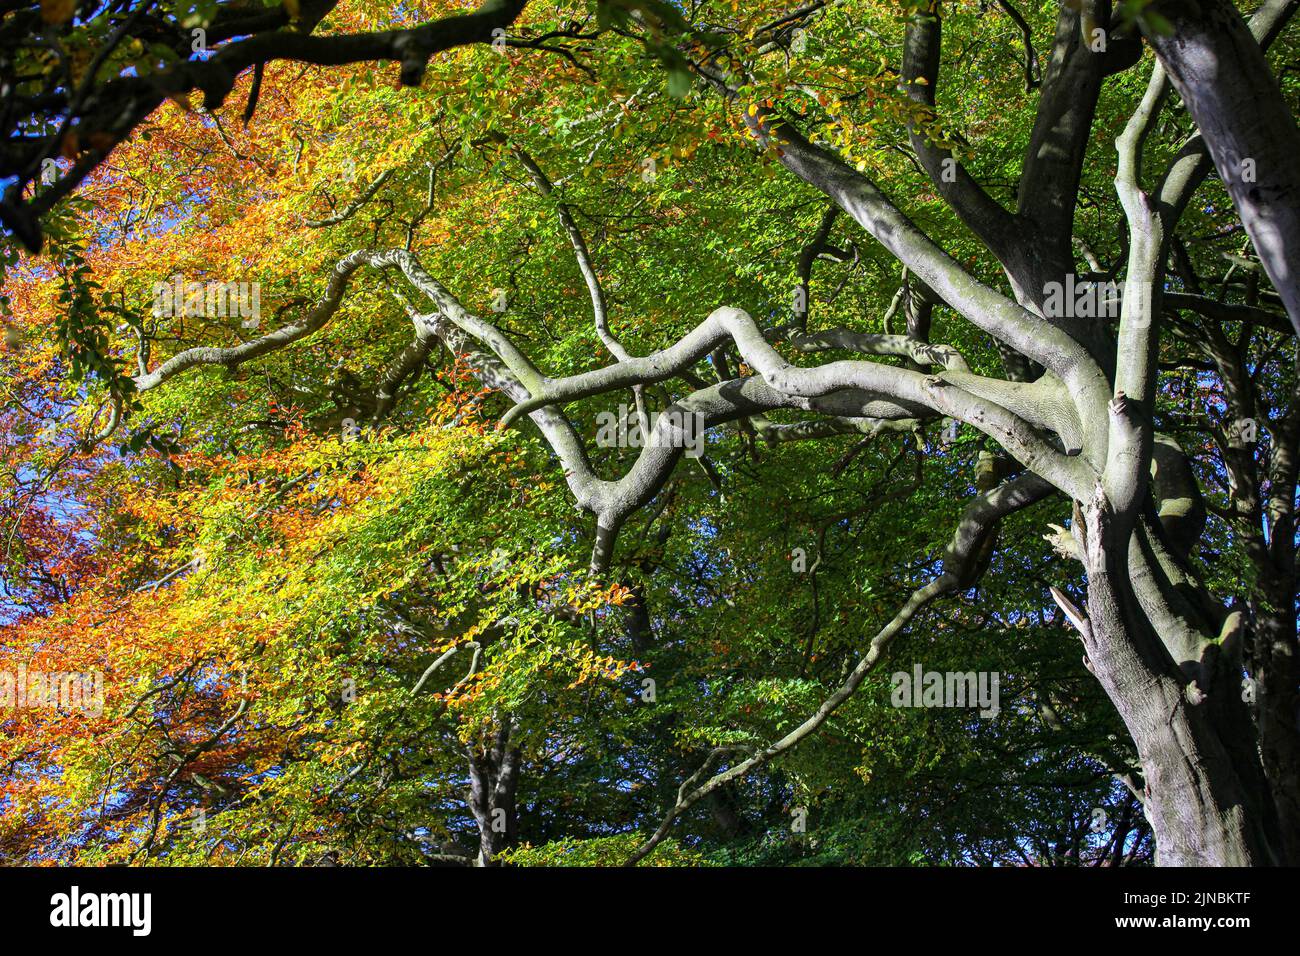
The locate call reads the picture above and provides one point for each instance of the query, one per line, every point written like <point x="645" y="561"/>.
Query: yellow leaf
<point x="57" y="11"/>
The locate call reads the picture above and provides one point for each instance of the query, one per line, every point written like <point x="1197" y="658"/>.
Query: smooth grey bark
<point x="1204" y="801"/>
<point x="1199" y="810"/>
<point x="1219" y="69"/>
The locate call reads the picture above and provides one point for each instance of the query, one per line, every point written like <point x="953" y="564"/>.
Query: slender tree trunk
<point x="493" y="778"/>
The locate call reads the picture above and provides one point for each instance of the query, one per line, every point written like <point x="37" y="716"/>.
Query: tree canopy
<point x="575" y="433"/>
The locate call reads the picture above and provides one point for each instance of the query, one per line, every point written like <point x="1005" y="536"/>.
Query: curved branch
<point x="977" y="519"/>
<point x="272" y="341"/>
<point x="853" y="389"/>
<point x="120" y="105"/>
<point x="1033" y="75"/>
<point x="976" y="208"/>
<point x="912" y="392"/>
<point x="350" y="210"/>
<point x="599" y="308"/>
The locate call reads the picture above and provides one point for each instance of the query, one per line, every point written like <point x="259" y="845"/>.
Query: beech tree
<point x="1042" y="256"/>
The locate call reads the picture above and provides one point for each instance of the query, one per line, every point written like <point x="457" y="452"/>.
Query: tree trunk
<point x="1277" y="677"/>
<point x="493" y="777"/>
<point x="1219" y="69"/>
<point x="1201" y="812"/>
